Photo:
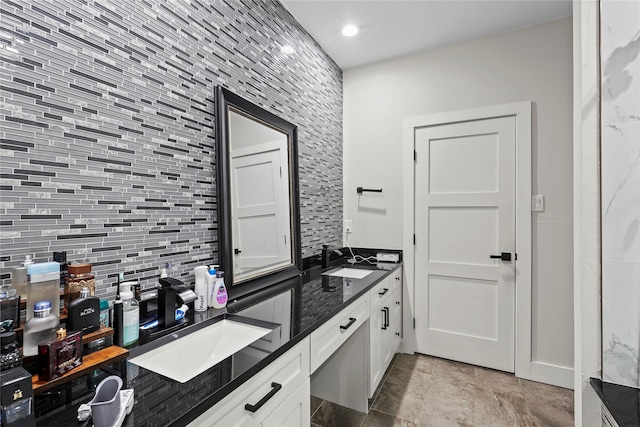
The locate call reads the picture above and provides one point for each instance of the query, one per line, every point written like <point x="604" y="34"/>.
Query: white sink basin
<point x="350" y="273"/>
<point x="191" y="355"/>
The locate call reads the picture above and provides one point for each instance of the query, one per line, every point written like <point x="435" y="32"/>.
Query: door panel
<point x="465" y="212"/>
<point x="259" y="211"/>
<point x="465" y="164"/>
<point x="462" y="235"/>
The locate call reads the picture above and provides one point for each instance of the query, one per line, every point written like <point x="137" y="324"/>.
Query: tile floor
<point x="427" y="391"/>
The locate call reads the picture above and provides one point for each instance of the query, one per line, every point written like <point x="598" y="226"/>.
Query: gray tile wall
<point x="107" y="127"/>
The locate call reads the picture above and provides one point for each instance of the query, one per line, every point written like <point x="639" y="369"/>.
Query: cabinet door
<point x="396" y="319"/>
<point x="377" y="336"/>
<point x="295" y="411"/>
<point x="267" y="390"/>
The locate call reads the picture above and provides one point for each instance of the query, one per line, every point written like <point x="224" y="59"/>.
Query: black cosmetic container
<point x="84" y="313"/>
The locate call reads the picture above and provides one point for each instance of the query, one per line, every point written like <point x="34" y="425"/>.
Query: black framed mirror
<point x="257" y="191"/>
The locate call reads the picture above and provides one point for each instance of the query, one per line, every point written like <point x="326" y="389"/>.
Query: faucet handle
<point x="170" y="282"/>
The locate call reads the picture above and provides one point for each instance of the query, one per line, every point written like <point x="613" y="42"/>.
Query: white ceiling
<point x="391" y="28"/>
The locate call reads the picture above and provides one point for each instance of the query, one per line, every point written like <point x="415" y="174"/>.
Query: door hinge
<point x="414" y="239"/>
<point x="415" y="156"/>
<point x="414" y="323"/>
<point x="515" y="255"/>
<point x="280" y="171"/>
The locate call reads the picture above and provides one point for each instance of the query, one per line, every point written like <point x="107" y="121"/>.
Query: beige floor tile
<point x="331" y="415"/>
<point x="379" y="419"/>
<point x="427" y="391"/>
<point x="497" y="381"/>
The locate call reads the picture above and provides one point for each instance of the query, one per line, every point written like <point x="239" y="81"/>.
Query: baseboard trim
<point x="559" y="376"/>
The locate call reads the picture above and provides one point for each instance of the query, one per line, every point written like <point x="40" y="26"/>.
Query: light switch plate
<point x="537" y="204"/>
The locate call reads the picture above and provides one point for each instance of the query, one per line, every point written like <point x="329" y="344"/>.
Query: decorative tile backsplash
<point x="620" y="53"/>
<point x="107" y="127"/>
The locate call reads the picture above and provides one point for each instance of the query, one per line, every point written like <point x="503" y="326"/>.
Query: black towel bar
<point x="361" y="190"/>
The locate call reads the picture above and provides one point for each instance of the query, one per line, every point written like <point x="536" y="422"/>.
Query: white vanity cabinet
<point x="276" y="395"/>
<point x="385" y="326"/>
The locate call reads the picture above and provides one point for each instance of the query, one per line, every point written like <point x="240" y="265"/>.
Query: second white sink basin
<point x="191" y="355"/>
<point x="350" y="273"/>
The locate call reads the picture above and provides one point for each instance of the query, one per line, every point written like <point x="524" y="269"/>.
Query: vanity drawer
<point x="329" y="337"/>
<point x="382" y="291"/>
<point x="289" y="371"/>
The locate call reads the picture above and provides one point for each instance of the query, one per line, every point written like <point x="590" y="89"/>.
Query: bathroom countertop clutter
<point x="300" y="307"/>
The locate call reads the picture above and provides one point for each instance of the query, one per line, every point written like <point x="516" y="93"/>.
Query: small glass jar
<point x="10" y="356"/>
<point x="79" y="277"/>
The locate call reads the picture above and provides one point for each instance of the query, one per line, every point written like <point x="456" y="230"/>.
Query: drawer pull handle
<point x="385" y="311"/>
<point x="352" y="320"/>
<point x="384" y="291"/>
<point x="275" y="387"/>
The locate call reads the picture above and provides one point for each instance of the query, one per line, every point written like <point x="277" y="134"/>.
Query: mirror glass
<point x="258" y="203"/>
<point x="260" y="217"/>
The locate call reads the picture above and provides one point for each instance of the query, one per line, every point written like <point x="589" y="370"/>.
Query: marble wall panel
<point x="620" y="136"/>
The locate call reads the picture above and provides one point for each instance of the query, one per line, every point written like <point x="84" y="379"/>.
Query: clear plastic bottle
<point x="19" y="277"/>
<point x="169" y="268"/>
<point x="44" y="285"/>
<point x="130" y="315"/>
<point x="41" y="327"/>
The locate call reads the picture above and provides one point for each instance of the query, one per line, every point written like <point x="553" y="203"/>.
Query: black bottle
<point x="84" y="313"/>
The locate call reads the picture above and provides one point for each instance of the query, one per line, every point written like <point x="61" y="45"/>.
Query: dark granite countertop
<point x="301" y="306"/>
<point x="623" y="402"/>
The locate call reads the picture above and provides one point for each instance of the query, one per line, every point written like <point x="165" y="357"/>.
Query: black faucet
<point x="172" y="293"/>
<point x="326" y="255"/>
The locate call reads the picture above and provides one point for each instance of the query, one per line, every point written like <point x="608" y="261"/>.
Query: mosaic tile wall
<point x="107" y="127"/>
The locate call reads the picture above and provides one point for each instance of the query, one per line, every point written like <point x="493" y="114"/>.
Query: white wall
<point x="534" y="63"/>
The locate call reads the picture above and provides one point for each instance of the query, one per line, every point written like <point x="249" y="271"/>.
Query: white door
<point x="464" y="215"/>
<point x="260" y="206"/>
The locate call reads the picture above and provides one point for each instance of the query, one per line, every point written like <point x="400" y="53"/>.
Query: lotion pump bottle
<point x="211" y="285"/>
<point x="219" y="291"/>
<point x="202" y="279"/>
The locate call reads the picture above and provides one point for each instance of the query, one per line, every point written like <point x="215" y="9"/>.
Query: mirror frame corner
<point x="224" y="99"/>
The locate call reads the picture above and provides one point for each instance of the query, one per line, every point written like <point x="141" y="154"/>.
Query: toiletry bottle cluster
<point x="210" y="289"/>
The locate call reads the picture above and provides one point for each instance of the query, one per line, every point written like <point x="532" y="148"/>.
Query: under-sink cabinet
<point x="385" y="326"/>
<point x="278" y="395"/>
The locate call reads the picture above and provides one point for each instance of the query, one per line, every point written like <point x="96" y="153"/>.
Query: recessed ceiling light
<point x="349" y="30"/>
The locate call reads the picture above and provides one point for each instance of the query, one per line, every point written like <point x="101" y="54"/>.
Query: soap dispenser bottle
<point x="130" y="315"/>
<point x="219" y="291"/>
<point x="211" y="285"/>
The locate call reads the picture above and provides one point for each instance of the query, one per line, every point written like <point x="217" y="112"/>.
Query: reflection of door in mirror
<point x="259" y="198"/>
